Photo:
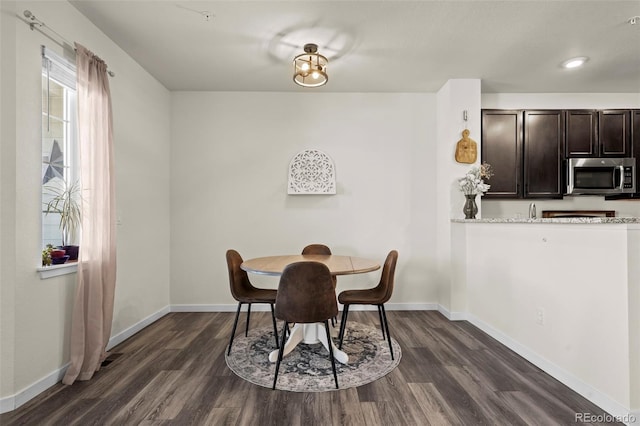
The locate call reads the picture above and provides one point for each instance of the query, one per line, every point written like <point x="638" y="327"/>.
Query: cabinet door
<point x="502" y="148"/>
<point x="543" y="154"/>
<point x="615" y="133"/>
<point x="635" y="142"/>
<point x="581" y="134"/>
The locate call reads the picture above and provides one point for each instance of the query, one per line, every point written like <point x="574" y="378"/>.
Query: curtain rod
<point x="36" y="24"/>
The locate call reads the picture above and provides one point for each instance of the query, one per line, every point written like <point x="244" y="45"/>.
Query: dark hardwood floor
<point x="174" y="372"/>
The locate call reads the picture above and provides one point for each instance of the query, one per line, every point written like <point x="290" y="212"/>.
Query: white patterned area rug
<point x="308" y="368"/>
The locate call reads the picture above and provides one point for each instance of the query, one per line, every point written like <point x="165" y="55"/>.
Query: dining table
<point x="337" y="264"/>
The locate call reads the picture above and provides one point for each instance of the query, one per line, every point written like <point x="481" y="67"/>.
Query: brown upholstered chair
<point x="306" y="295"/>
<point x="316" y="249"/>
<point x="244" y="292"/>
<point x="378" y="296"/>
<point x="321" y="249"/>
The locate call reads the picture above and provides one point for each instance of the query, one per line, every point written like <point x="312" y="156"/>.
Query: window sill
<point x="57" y="270"/>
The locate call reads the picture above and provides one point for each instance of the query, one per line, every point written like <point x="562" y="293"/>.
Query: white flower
<point x="472" y="183"/>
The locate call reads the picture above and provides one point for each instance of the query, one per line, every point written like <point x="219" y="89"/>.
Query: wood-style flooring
<point x="174" y="373"/>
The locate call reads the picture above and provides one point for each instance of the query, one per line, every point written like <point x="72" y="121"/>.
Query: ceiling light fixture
<point x="310" y="68"/>
<point x="575" y="62"/>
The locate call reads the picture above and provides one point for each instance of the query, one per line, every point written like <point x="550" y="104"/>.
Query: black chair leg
<point x="246" y="329"/>
<point x="275" y="328"/>
<point x="386" y="326"/>
<point x="381" y="321"/>
<point x="333" y="361"/>
<point x="280" y="351"/>
<point x="235" y="324"/>
<point x="343" y="322"/>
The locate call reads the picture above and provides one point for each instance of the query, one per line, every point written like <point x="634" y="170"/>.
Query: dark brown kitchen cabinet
<point x="543" y="154"/>
<point x="502" y="149"/>
<point x="635" y="143"/>
<point x="614" y="133"/>
<point x="581" y="133"/>
<point x="525" y="150"/>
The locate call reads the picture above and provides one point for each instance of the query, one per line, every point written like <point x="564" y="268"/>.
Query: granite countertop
<point x="554" y="220"/>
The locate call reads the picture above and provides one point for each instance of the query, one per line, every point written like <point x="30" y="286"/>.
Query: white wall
<point x="455" y="97"/>
<point x="229" y="161"/>
<point x="512" y="208"/>
<point x="582" y="277"/>
<point x="36" y="313"/>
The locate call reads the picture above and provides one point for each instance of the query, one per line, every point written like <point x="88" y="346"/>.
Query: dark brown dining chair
<point x="379" y="295"/>
<point x="306" y="295"/>
<point x="244" y="292"/>
<point x="316" y="249"/>
<point x="321" y="249"/>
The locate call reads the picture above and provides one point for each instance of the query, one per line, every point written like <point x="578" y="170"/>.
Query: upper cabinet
<point x="543" y="154"/>
<point x="635" y="132"/>
<point x="525" y="150"/>
<point x="502" y="148"/>
<point x="604" y="133"/>
<point x="581" y="133"/>
<point x="614" y="133"/>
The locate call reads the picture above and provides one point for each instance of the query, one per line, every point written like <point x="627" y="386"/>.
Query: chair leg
<point x="246" y="329"/>
<point x="280" y="351"/>
<point x="235" y="324"/>
<point x="275" y="328"/>
<point x="381" y="321"/>
<point x="333" y="361"/>
<point x="343" y="322"/>
<point x="386" y="326"/>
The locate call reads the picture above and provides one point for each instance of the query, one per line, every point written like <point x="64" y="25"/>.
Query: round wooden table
<point x="338" y="265"/>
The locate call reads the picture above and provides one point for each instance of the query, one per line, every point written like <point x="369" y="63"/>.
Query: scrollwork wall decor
<point x="312" y="172"/>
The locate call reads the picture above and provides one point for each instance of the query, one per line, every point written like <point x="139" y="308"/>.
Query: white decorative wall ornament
<point x="312" y="172"/>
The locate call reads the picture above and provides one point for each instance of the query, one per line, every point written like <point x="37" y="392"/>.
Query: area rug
<point x="308" y="368"/>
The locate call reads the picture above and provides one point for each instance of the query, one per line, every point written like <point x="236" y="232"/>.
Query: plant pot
<point x="72" y="251"/>
<point x="59" y="260"/>
<point x="56" y="253"/>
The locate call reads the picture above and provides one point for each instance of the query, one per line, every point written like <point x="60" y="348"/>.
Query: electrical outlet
<point x="540" y="316"/>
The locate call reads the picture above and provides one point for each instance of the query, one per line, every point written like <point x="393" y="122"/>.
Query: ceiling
<point x="513" y="46"/>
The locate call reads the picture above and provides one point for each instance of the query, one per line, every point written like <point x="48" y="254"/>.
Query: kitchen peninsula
<point x="564" y="293"/>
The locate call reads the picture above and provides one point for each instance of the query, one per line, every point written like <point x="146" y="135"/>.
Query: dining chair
<point x="316" y="249"/>
<point x="306" y="295"/>
<point x="321" y="249"/>
<point x="244" y="292"/>
<point x="379" y="295"/>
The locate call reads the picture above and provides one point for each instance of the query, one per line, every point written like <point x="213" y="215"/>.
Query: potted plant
<point x="65" y="200"/>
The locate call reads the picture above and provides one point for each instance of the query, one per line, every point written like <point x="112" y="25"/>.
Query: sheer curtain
<point x="96" y="278"/>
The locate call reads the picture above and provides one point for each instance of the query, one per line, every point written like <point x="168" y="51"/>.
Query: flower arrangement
<point x="472" y="183"/>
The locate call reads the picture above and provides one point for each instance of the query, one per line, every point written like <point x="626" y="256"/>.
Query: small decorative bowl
<point x="59" y="260"/>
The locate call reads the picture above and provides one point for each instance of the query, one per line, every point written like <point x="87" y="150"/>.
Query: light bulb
<point x="304" y="66"/>
<point x="315" y="75"/>
<point x="575" y="62"/>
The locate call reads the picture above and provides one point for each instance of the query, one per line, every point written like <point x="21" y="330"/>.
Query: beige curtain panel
<point x="93" y="306"/>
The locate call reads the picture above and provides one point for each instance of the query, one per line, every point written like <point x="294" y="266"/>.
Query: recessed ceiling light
<point x="575" y="62"/>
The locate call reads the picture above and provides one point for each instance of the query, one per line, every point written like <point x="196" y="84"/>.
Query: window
<point x="60" y="177"/>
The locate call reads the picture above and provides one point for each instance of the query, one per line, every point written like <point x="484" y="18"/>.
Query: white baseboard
<point x="263" y="307"/>
<point x="125" y="334"/>
<point x="12" y="402"/>
<point x="618" y="411"/>
<point x="451" y="316"/>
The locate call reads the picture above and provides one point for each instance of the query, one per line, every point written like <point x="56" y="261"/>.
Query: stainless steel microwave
<point x="601" y="176"/>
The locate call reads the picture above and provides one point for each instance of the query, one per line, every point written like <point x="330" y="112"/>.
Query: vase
<point x="470" y="208"/>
